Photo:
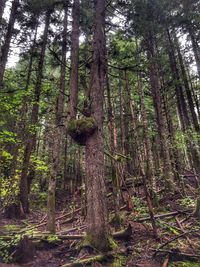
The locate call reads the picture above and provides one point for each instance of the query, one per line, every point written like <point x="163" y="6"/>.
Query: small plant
<point x="187" y="202"/>
<point x="53" y="239"/>
<point x="140" y="207"/>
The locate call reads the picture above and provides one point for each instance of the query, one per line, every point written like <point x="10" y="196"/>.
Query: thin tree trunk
<point x="147" y="182"/>
<point x="182" y="106"/>
<point x="157" y="100"/>
<point x="190" y="28"/>
<point x="187" y="88"/>
<point x="127" y="103"/>
<point x="58" y="132"/>
<point x="73" y="84"/>
<point x="2" y="6"/>
<point x="6" y="46"/>
<point x="181" y="103"/>
<point x="195" y="48"/>
<point x="113" y="147"/>
<point x="21" y="124"/>
<point x="31" y="141"/>
<point x="150" y="170"/>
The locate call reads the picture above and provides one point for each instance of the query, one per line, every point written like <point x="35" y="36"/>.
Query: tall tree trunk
<point x="181" y="103"/>
<point x="21" y="124"/>
<point x="190" y="28"/>
<point x="146" y="178"/>
<point x="182" y="106"/>
<point x="187" y="87"/>
<point x="157" y="100"/>
<point x="31" y="140"/>
<point x="97" y="217"/>
<point x="195" y="46"/>
<point x="150" y="170"/>
<point x="127" y="103"/>
<point x="6" y="46"/>
<point x="58" y="131"/>
<point x="73" y="84"/>
<point x="113" y="148"/>
<point x="177" y="159"/>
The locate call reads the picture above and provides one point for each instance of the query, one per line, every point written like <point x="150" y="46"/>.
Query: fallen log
<point x="44" y="223"/>
<point x="159" y="216"/>
<point x="177" y="237"/>
<point x="183" y="231"/>
<point x="126" y="233"/>
<point x="83" y="262"/>
<point x="178" y="253"/>
<point x="96" y="258"/>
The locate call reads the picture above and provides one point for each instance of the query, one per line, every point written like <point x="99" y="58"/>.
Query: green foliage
<point x="119" y="261"/>
<point x="168" y="227"/>
<point x="7" y="247"/>
<point x="6" y="155"/>
<point x="53" y="239"/>
<point x="39" y="165"/>
<point x="187" y="202"/>
<point x="9" y="190"/>
<point x="140" y="207"/>
<point x="7" y="137"/>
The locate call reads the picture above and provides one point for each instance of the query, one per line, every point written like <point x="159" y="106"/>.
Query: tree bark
<point x="181" y="103"/>
<point x="2" y="6"/>
<point x="6" y="46"/>
<point x="195" y="47"/>
<point x="187" y="87"/>
<point x="189" y="27"/>
<point x="73" y="84"/>
<point x="157" y="100"/>
<point x="150" y="170"/>
<point x="113" y="148"/>
<point x="31" y="140"/>
<point x="97" y="219"/>
<point x="56" y="139"/>
<point x="182" y="106"/>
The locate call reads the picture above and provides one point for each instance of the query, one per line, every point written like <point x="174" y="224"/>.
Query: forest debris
<point x="96" y="258"/>
<point x="183" y="231"/>
<point x="186" y="218"/>
<point x="89" y="260"/>
<point x="117" y="235"/>
<point x="178" y="253"/>
<point x="66" y="231"/>
<point x="177" y="237"/>
<point x="166" y="261"/>
<point x="159" y="216"/>
<point x="126" y="233"/>
<point x="44" y="223"/>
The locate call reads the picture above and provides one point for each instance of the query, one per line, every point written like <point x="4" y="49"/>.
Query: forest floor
<point x="178" y="229"/>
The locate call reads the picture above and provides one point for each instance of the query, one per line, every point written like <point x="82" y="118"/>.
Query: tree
<point x="97" y="217"/>
<point x="6" y="45"/>
<point x="31" y="140"/>
<point x="58" y="129"/>
<point x="2" y="6"/>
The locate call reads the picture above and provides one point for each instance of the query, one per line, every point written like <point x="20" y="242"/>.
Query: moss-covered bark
<point x="81" y="129"/>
